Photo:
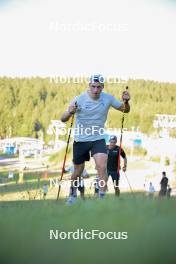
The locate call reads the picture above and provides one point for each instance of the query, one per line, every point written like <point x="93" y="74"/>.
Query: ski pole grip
<point x="72" y="113"/>
<point x="126" y="100"/>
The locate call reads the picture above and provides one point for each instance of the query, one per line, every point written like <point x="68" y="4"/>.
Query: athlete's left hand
<point x="125" y="96"/>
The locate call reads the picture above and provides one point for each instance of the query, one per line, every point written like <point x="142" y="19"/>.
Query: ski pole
<point x="121" y="137"/>
<point x="120" y="149"/>
<point x="66" y="151"/>
<point x="129" y="184"/>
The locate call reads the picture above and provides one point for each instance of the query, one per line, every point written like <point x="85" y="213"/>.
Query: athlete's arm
<point x="124" y="160"/>
<point x="66" y="116"/>
<point x="125" y="107"/>
<point x="124" y="164"/>
<point x="121" y="106"/>
<point x="70" y="111"/>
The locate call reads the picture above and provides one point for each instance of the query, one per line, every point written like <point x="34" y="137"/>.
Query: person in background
<point x="151" y="190"/>
<point x="113" y="160"/>
<point x="164" y="184"/>
<point x="169" y="190"/>
<point x="45" y="190"/>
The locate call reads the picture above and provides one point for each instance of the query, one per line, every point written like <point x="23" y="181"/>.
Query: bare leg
<point x="116" y="188"/>
<point x="101" y="166"/>
<point x="78" y="169"/>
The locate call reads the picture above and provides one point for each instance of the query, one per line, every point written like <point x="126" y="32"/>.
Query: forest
<point x="27" y="105"/>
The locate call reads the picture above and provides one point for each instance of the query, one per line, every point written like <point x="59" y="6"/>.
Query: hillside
<point x="28" y="105"/>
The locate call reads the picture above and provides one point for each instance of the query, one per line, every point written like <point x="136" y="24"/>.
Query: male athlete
<point x="91" y="109"/>
<point x="113" y="162"/>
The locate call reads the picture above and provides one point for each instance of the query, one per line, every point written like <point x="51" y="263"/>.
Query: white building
<point x="25" y="145"/>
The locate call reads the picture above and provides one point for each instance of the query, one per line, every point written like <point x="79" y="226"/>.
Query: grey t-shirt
<point x="91" y="116"/>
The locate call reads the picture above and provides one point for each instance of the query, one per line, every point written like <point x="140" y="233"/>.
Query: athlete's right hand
<point x="72" y="108"/>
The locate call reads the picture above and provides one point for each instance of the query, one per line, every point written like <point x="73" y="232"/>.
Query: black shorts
<point x="81" y="150"/>
<point x="115" y="176"/>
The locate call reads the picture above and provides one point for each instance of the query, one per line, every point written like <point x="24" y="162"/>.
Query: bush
<point x="155" y="159"/>
<point x="137" y="151"/>
<point x="167" y="161"/>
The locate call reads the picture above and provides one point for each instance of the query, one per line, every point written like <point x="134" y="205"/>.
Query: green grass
<point x="28" y="177"/>
<point x="150" y="223"/>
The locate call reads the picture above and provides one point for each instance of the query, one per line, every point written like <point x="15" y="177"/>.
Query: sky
<point x="123" y="38"/>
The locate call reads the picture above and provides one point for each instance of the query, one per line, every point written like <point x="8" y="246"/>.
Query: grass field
<point x="150" y="223"/>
